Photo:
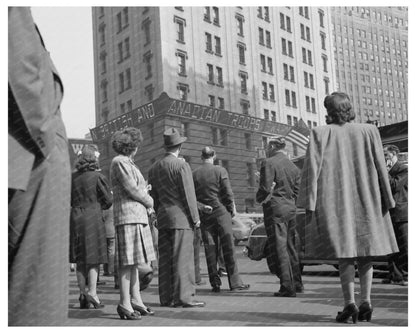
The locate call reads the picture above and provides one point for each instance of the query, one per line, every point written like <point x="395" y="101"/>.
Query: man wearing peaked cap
<point x="177" y="215"/>
<point x="216" y="204"/>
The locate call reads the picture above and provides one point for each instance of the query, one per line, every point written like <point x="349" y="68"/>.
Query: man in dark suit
<point x="216" y="202"/>
<point x="177" y="215"/>
<point x="398" y="177"/>
<point x="278" y="189"/>
<point x="38" y="181"/>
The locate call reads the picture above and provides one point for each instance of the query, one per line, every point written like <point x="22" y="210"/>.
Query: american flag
<point x="299" y="134"/>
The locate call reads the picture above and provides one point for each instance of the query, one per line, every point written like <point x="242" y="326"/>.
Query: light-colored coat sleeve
<point x="310" y="172"/>
<point x="123" y="173"/>
<point x="387" y="200"/>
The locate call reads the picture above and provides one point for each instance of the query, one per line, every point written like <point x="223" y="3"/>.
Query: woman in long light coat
<point x="345" y="184"/>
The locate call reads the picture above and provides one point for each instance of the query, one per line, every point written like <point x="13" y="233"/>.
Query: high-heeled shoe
<point x="365" y="311"/>
<point x="126" y="314"/>
<point x="95" y="303"/>
<point x="350" y="310"/>
<point x="144" y="311"/>
<point x="83" y="302"/>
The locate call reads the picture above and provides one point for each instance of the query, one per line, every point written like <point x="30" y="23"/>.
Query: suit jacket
<point x="398" y="177"/>
<point x="279" y="169"/>
<point x="213" y="188"/>
<point x="174" y="193"/>
<point x="35" y="93"/>
<point x="131" y="198"/>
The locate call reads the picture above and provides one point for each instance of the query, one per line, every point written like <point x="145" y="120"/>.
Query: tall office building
<point x="371" y="60"/>
<point x="228" y="77"/>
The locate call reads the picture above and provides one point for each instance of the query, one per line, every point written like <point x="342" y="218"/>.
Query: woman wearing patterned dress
<point x="134" y="245"/>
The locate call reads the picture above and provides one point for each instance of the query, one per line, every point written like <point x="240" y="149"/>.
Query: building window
<point x="323" y="41"/>
<point x="263" y="62"/>
<point x="308" y="103"/>
<point x="289" y="120"/>
<point x="103" y="62"/>
<point x="216" y="15"/>
<point x="266" y="14"/>
<point x="270" y="65"/>
<point x="288" y="24"/>
<point x="245" y="105"/>
<point x="120" y="52"/>
<point x="273" y="115"/>
<point x="129" y="106"/>
<point x="266" y="114"/>
<point x="310" y="58"/>
<point x="311" y="82"/>
<point x="185" y="130"/>
<point x="264" y="90"/>
<point x="325" y="63"/>
<point x="120" y="82"/>
<point x="294" y="103"/>
<point x="126" y="17"/>
<point x="261" y="36"/>
<point x="146" y="29"/>
<point x="268" y="39"/>
<point x="242" y="53"/>
<point x="290" y="48"/>
<point x="321" y="18"/>
<point x="295" y="121"/>
<point x="181" y="56"/>
<point x="287" y="97"/>
<point x="260" y="12"/>
<point x="247" y="137"/>
<point x="240" y="26"/>
<point x="101" y="31"/>
<point x="285" y="72"/>
<point x="183" y="90"/>
<point x="243" y="82"/>
<point x="214" y="132"/>
<point x="284" y="47"/>
<point x="211" y="100"/>
<point x="308" y="34"/>
<point x="271" y="92"/>
<point x="149" y="92"/>
<point x="326" y="84"/>
<point x="180" y="29"/>
<point x="210" y="72"/>
<point x="221" y="103"/>
<point x="207" y="14"/>
<point x="292" y="73"/>
<point x="119" y="23"/>
<point x="208" y="42"/>
<point x="220" y="81"/>
<point x="309" y="124"/>
<point x="250" y="175"/>
<point x="147" y="59"/>
<point x="217" y="45"/>
<point x="104" y="91"/>
<point x="128" y="78"/>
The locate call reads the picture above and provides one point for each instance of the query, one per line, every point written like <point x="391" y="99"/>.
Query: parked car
<point x="241" y="225"/>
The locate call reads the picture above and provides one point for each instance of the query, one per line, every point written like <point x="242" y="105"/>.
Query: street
<point x="317" y="306"/>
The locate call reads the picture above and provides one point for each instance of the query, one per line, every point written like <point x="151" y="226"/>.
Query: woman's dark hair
<point x="339" y="108"/>
<point x="125" y="141"/>
<point x="88" y="159"/>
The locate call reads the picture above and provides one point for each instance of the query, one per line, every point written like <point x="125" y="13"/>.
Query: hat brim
<point x="182" y="139"/>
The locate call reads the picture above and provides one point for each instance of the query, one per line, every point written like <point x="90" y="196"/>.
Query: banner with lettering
<point x="165" y="105"/>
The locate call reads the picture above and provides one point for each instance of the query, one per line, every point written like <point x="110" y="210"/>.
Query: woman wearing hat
<point x="90" y="194"/>
<point x="134" y="245"/>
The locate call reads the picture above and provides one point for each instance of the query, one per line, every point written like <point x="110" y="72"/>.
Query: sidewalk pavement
<point x="317" y="306"/>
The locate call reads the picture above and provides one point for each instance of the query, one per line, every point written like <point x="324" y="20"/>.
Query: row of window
<point x="372" y="47"/>
<point x="378" y="16"/>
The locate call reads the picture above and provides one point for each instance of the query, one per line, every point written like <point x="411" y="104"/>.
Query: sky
<point x="67" y="33"/>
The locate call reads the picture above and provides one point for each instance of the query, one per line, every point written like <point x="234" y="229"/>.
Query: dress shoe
<point x="83" y="302"/>
<point x="126" y="314"/>
<point x="365" y="311"/>
<point x="144" y="311"/>
<point x="242" y="287"/>
<point x="216" y="289"/>
<point x="285" y="293"/>
<point x="191" y="304"/>
<point x="350" y="310"/>
<point x="95" y="302"/>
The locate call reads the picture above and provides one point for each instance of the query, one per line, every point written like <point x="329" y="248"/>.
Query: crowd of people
<point x="354" y="189"/>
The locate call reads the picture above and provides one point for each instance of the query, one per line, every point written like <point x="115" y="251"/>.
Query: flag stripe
<point x="297" y="138"/>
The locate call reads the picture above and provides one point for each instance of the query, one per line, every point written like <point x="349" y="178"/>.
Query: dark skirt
<point x="88" y="243"/>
